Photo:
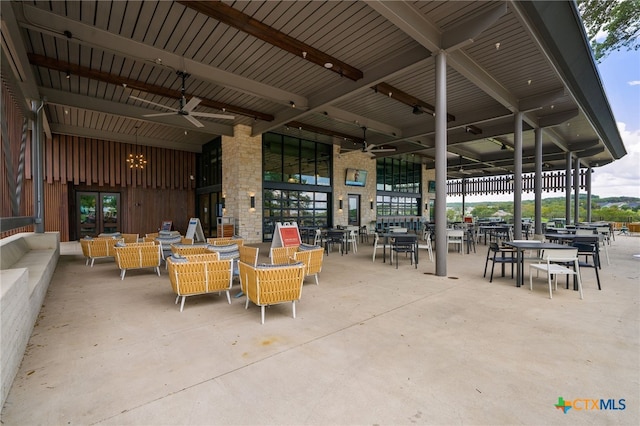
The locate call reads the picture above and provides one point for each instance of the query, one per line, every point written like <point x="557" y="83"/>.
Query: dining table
<point x="521" y="246"/>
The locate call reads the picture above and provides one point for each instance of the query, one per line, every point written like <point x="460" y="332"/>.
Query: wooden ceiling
<point x="319" y="70"/>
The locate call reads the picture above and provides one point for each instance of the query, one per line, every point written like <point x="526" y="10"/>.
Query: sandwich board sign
<point x="195" y="229"/>
<point x="286" y="235"/>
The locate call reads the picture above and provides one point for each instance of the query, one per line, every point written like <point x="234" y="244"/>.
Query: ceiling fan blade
<point x="159" y="114"/>
<point x="190" y="106"/>
<point x="193" y="121"/>
<point x="153" y="103"/>
<point x="210" y="115"/>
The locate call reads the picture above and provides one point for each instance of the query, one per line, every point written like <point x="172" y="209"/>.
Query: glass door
<point x="204" y="214"/>
<point x="354" y="210"/>
<point x="98" y="212"/>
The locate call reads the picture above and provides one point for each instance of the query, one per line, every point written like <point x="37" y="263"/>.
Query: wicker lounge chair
<point x="193" y="278"/>
<point x="98" y="248"/>
<point x="272" y="284"/>
<point x="138" y="256"/>
<point x="312" y="259"/>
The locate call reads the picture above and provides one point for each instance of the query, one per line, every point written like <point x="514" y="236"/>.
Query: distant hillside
<point x="614" y="209"/>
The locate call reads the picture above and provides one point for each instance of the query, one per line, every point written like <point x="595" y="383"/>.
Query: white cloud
<point x="634" y="83"/>
<point x="622" y="177"/>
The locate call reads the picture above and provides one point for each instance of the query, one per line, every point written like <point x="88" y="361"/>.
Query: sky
<point x="620" y="75"/>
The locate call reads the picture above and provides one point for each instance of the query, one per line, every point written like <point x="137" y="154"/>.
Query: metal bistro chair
<point x="378" y="245"/>
<point x="334" y="237"/>
<point x="406" y="245"/>
<point x="588" y="248"/>
<point x="426" y="237"/>
<point x="497" y="255"/>
<point x="456" y="237"/>
<point x="555" y="260"/>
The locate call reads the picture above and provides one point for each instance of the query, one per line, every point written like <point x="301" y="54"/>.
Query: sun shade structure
<point x="323" y="70"/>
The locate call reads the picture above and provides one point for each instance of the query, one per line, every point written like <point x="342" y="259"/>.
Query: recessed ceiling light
<point x="529" y="82"/>
<point x="497" y="45"/>
<point x="328" y="65"/>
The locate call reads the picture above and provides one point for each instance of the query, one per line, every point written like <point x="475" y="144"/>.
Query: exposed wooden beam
<point x="407" y="99"/>
<point x="245" y="23"/>
<point x="323" y="131"/>
<point x="81" y="71"/>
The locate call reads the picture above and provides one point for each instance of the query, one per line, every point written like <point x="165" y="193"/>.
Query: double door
<point x="98" y="212"/>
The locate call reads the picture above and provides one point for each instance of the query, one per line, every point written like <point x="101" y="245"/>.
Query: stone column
<point x="242" y="179"/>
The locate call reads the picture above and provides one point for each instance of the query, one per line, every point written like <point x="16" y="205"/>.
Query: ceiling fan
<point x="186" y="108"/>
<point x="373" y="149"/>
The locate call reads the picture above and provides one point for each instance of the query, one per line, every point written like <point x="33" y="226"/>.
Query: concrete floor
<point x="371" y="345"/>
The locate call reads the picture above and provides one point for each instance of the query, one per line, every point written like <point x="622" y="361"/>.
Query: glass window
<point x="296" y="161"/>
<point x="272" y="157"/>
<point x="211" y="164"/>
<point x="395" y="177"/>
<point x="306" y="208"/>
<point x="293" y="163"/>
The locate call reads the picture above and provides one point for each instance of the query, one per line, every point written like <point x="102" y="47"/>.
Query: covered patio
<point x="370" y="345"/>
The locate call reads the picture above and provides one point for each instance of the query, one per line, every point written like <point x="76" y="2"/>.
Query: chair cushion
<point x="110" y="235"/>
<point x="120" y="244"/>
<point x="229" y="251"/>
<point x="168" y="233"/>
<point x="305" y="247"/>
<point x="176" y="258"/>
<point x="277" y="265"/>
<point x="166" y="241"/>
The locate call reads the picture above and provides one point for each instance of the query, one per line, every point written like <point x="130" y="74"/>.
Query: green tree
<point x="618" y="20"/>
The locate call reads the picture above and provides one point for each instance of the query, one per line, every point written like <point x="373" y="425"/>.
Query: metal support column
<point x="37" y="161"/>
<point x="567" y="189"/>
<point x="441" y="164"/>
<point x="576" y="192"/>
<point x="517" y="177"/>
<point x="537" y="182"/>
<point x="588" y="185"/>
<point x="464" y="193"/>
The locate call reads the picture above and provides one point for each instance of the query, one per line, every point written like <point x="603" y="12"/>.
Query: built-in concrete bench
<point x="27" y="263"/>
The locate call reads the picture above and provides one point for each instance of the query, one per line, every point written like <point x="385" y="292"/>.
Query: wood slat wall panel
<point x="63" y="161"/>
<point x="81" y="159"/>
<point x="91" y="161"/>
<point x="56" y="159"/>
<point x="163" y="189"/>
<point x="94" y="161"/>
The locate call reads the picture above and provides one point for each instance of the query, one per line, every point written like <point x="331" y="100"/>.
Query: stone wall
<point x="241" y="179"/>
<point x="427" y="175"/>
<point x="353" y="160"/>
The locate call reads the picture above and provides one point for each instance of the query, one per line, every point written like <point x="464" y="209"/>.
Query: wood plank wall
<point x="163" y="190"/>
<point x="14" y="119"/>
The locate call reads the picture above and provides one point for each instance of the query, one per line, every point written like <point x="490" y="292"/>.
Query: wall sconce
<point x="222" y="201"/>
<point x="371" y="204"/>
<point x="426" y="206"/>
<point x="252" y="201"/>
<point x="340" y="204"/>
